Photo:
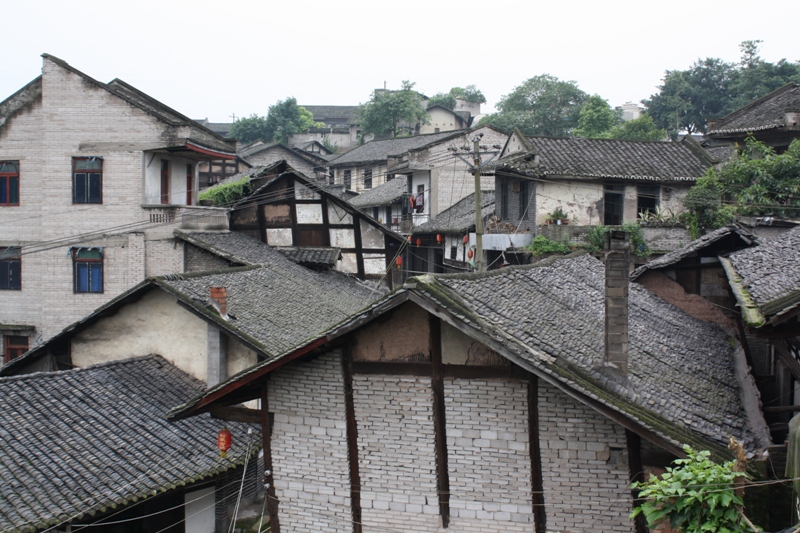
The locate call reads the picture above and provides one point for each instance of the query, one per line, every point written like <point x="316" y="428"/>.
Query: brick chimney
<point x="617" y="255"/>
<point x="219" y="299"/>
<point x="216" y="347"/>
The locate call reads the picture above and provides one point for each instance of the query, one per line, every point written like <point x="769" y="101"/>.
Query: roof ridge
<point x="105" y="364"/>
<point x="736" y="113"/>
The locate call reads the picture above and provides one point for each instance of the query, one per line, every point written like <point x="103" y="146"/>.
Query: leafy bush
<point x="596" y="239"/>
<point x="542" y="245"/>
<point x="696" y="496"/>
<point x="226" y="194"/>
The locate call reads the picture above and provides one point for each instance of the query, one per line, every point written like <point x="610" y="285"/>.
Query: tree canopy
<point x="390" y="112"/>
<point x="596" y="118"/>
<point x="250" y="129"/>
<point x="283" y="120"/>
<point x="443" y="99"/>
<point x="542" y="105"/>
<point x="638" y="129"/>
<point x="712" y="88"/>
<point x="470" y="93"/>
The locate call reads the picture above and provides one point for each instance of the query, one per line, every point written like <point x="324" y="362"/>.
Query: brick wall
<point x="196" y="259"/>
<point x="396" y="452"/>
<point x="584" y="466"/>
<point x="309" y="446"/>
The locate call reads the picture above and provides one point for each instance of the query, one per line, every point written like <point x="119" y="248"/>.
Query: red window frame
<point x="14" y="346"/>
<point x="165" y="181"/>
<point x="88" y="272"/>
<point x="189" y="183"/>
<point x="9" y="172"/>
<point x="94" y="181"/>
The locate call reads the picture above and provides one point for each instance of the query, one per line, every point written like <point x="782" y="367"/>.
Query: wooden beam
<point x="636" y="473"/>
<point x="359" y="245"/>
<point x="439" y="419"/>
<point x="787" y="358"/>
<point x="230" y="413"/>
<point x="537" y="484"/>
<point x="782" y="409"/>
<point x="352" y="436"/>
<point x="269" y="475"/>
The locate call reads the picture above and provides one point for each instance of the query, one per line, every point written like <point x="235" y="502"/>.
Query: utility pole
<point x="478" y="215"/>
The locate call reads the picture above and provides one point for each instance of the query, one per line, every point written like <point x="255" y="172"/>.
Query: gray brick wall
<point x="196" y="259"/>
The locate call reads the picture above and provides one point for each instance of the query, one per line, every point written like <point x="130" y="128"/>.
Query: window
<point x="164" y="181"/>
<point x="87" y="182"/>
<point x="15" y="346"/>
<point x="647" y="198"/>
<point x="10" y="269"/>
<point x="189" y="183"/>
<point x="504" y="200"/>
<point x="368" y="178"/>
<point x="523" y="200"/>
<point x="9" y="182"/>
<point x="613" y="202"/>
<point x="88" y="267"/>
<point x="331" y="180"/>
<point x="347" y="181"/>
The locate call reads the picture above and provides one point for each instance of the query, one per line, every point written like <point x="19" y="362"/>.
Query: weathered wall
<point x="309" y="446"/>
<point x="276" y="153"/>
<point x="584" y="466"/>
<point x="196" y="259"/>
<point x="406" y="340"/>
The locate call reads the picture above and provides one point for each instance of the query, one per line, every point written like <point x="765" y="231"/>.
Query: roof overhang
<point x="192" y="150"/>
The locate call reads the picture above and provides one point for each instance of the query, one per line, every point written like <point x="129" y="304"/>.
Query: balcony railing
<point x="405" y="223"/>
<point x="189" y="216"/>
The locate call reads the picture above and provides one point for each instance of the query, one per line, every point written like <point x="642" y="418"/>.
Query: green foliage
<point x="557" y="214"/>
<point x="596" y="118"/>
<point x="542" y="105"/>
<point x="333" y="147"/>
<point x="470" y="93"/>
<point x="286" y="118"/>
<point x="388" y="112"/>
<point x="595" y="238"/>
<point x="712" y="88"/>
<point x="226" y="194"/>
<point x="696" y="496"/>
<point x="442" y="99"/>
<point x="638" y="129"/>
<point x="542" y="245"/>
<point x="250" y="129"/>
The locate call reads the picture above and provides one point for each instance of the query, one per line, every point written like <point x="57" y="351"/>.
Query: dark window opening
<point x="368" y="178"/>
<point x="453" y="252"/>
<point x="87" y="180"/>
<point x="647" y="198"/>
<point x="331" y="180"/>
<point x="189" y="183"/>
<point x="523" y="200"/>
<point x="10" y="269"/>
<point x="347" y="179"/>
<point x="613" y="202"/>
<point x="15" y="345"/>
<point x="164" y="181"/>
<point x="87" y="265"/>
<point x="9" y="183"/>
<point x="504" y="200"/>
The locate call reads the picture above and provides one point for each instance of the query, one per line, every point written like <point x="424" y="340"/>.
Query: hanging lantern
<point x="399" y="262"/>
<point x="409" y="239"/>
<point x="439" y="238"/>
<point x="419" y="241"/>
<point x="466" y="239"/>
<point x="224" y="440"/>
<point x="470" y="253"/>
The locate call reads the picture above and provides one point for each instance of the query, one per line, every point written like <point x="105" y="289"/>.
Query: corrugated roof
<point x="77" y="442"/>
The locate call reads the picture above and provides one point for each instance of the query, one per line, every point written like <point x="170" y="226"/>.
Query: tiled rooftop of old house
<point x="385" y="194"/>
<point x="768" y="112"/>
<point x="460" y="216"/>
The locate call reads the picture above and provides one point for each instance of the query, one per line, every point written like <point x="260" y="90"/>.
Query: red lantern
<point x="419" y="241"/>
<point x="439" y="238"/>
<point x="224" y="440"/>
<point x="409" y="239"/>
<point x="466" y="239"/>
<point x="470" y="253"/>
<point x="399" y="262"/>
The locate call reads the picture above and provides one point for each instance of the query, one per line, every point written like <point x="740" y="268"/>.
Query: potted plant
<point x="557" y="217"/>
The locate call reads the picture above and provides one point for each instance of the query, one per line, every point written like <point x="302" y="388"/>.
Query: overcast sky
<point x="218" y="58"/>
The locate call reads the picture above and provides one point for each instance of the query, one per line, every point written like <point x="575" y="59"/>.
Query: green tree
<point x="638" y="129"/>
<point x="756" y="77"/>
<point x="442" y="99"/>
<point x="250" y="129"/>
<point x="470" y="93"/>
<point x="596" y="118"/>
<point x="387" y="112"/>
<point x="542" y="105"/>
<point x="696" y="495"/>
<point x="286" y="118"/>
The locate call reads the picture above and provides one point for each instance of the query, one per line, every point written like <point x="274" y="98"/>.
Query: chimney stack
<point x="219" y="299"/>
<point x="216" y="347"/>
<point x="617" y="254"/>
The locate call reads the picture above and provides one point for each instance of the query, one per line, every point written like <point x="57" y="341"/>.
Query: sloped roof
<point x="384" y="194"/>
<point x="768" y="274"/>
<point x="549" y="318"/>
<point x="609" y="159"/>
<point x="768" y="112"/>
<point x="77" y="442"/>
<point x="381" y="150"/>
<point x="460" y="216"/>
<point x="722" y="240"/>
<point x="322" y="112"/>
<point x="312" y="255"/>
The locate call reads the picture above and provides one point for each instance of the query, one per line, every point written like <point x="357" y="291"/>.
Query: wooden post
<point x="537" y="485"/>
<point x="352" y="436"/>
<point x="636" y="473"/>
<point x="269" y="475"/>
<point x="478" y="213"/>
<point x="439" y="420"/>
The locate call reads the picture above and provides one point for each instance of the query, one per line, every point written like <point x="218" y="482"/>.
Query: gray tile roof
<point x="722" y="240"/>
<point x="765" y="113"/>
<point x="610" y="159"/>
<point x="77" y="442"/>
<point x="460" y="216"/>
<point x="720" y="153"/>
<point x="235" y="247"/>
<point x="311" y="256"/>
<point x="323" y="112"/>
<point x="680" y="369"/>
<point x="387" y="193"/>
<point x="770" y="272"/>
<point x="381" y="150"/>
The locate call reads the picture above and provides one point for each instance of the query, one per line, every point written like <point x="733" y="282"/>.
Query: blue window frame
<point x="88" y="268"/>
<point x="87" y="180"/>
<point x="9" y="183"/>
<point x="10" y="269"/>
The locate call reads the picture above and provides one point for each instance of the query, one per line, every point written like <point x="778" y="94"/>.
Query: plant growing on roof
<point x="639" y="247"/>
<point x="226" y="194"/>
<point x="542" y="245"/>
